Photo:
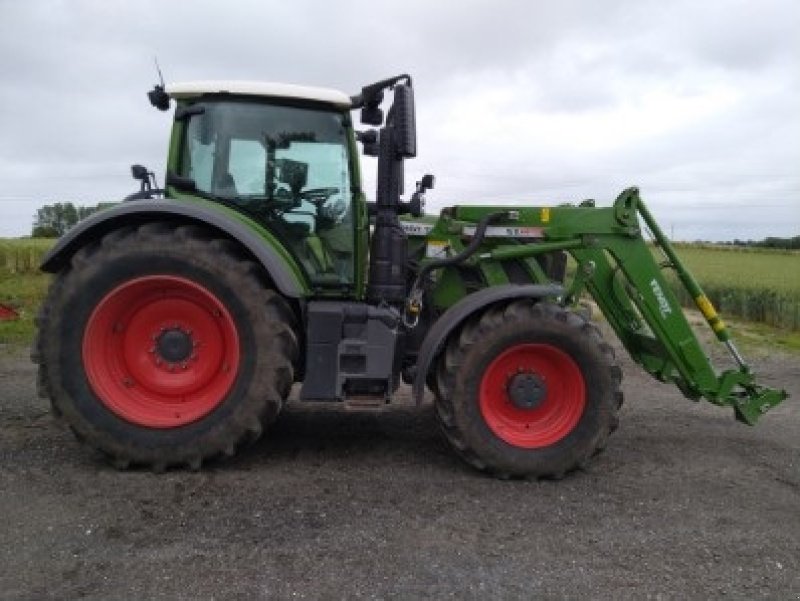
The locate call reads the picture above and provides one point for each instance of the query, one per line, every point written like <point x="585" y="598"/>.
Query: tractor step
<point x="361" y="403"/>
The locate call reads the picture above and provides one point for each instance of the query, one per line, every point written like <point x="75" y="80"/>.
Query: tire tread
<point x="463" y="344"/>
<point x="273" y="319"/>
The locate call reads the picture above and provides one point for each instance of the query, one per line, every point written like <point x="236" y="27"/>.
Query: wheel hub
<point x="526" y="390"/>
<point x="532" y="395"/>
<point x="161" y="351"/>
<point x="174" y="345"/>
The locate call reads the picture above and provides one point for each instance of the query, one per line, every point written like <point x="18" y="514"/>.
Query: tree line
<point x="792" y="243"/>
<point x="52" y="221"/>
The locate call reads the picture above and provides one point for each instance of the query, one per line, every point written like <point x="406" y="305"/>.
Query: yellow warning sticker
<point x="545" y="214"/>
<point x="436" y="249"/>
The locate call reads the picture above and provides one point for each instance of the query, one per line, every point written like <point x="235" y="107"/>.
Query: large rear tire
<point x="162" y="346"/>
<point x="528" y="390"/>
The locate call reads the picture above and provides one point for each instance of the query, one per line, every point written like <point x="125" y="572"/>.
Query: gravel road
<point x="685" y="503"/>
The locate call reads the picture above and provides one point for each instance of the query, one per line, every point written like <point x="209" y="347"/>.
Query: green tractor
<point x="178" y="320"/>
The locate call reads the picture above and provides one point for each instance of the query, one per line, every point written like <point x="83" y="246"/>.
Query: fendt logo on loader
<point x="663" y="303"/>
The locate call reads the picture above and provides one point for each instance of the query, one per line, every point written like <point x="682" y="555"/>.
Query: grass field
<point x="24" y="293"/>
<point x="756" y="285"/>
<point x="22" y="255"/>
<point x="22" y="286"/>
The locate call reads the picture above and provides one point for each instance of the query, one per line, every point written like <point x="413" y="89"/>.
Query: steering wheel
<point x="318" y="196"/>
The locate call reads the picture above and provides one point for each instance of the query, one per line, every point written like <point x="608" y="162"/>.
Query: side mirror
<point x="147" y="178"/>
<point x="140" y="173"/>
<point x="405" y="134"/>
<point x="426" y="183"/>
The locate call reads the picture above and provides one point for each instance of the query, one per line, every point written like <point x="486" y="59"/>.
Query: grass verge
<point x="24" y="293"/>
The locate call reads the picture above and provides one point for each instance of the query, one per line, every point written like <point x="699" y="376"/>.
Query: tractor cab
<point x="283" y="156"/>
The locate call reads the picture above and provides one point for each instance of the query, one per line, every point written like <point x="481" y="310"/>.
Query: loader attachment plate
<point x="757" y="401"/>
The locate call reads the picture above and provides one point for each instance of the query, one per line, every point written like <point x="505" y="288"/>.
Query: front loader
<point x="178" y="320"/>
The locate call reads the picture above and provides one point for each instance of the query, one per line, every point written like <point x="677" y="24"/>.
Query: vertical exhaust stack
<point x="388" y="252"/>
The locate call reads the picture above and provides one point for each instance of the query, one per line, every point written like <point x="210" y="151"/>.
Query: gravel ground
<point x="684" y="503"/>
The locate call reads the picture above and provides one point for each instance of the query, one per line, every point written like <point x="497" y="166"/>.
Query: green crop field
<point x="754" y="284"/>
<point x="22" y="255"/>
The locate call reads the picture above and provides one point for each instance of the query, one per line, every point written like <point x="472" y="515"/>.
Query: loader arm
<point x="616" y="266"/>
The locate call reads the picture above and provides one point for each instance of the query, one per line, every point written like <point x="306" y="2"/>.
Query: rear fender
<point x="456" y="315"/>
<point x="263" y="247"/>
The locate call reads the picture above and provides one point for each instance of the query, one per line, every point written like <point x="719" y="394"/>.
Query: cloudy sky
<point x="697" y="103"/>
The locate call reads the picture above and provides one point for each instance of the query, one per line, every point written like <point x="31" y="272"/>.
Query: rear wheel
<point x="161" y="346"/>
<point x="528" y="390"/>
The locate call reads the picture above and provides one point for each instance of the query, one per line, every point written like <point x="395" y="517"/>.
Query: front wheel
<point x="528" y="390"/>
<point x="161" y="346"/>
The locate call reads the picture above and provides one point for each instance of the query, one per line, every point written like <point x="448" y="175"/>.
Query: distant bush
<point x="771" y="242"/>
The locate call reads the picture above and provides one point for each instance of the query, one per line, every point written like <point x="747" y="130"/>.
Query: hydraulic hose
<point x="472" y="247"/>
<point x="414" y="304"/>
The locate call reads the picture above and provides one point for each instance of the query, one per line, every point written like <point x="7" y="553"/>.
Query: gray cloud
<point x="697" y="103"/>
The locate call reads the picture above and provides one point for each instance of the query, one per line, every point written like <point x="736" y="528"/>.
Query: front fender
<point x="281" y="266"/>
<point x="451" y="319"/>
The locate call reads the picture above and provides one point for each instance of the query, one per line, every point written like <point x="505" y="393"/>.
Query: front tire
<point x="161" y="346"/>
<point x="528" y="390"/>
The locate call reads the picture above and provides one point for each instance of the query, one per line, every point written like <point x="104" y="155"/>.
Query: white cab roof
<point x="259" y="88"/>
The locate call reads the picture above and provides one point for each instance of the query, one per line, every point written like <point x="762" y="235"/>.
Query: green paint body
<point x="615" y="266"/>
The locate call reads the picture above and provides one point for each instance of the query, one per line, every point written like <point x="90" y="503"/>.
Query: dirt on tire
<point x="683" y="503"/>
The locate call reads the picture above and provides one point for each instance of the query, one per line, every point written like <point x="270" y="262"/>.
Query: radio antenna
<point x="158" y="69"/>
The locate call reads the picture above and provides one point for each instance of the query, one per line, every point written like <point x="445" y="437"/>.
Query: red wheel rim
<point x="554" y="415"/>
<point x="160" y="351"/>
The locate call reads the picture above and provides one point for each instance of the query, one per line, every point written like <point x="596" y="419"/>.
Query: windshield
<point x="287" y="166"/>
